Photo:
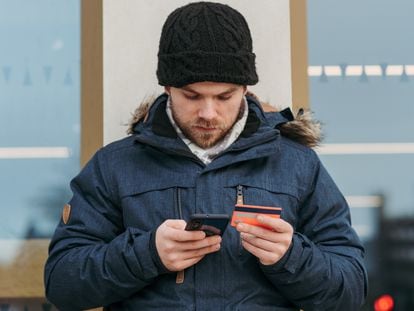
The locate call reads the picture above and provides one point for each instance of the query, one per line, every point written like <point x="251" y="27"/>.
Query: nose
<point x="207" y="110"/>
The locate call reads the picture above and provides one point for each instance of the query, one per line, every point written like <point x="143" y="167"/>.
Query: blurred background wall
<point x="130" y="59"/>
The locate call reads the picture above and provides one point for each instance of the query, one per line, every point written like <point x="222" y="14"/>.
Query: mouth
<point x="205" y="129"/>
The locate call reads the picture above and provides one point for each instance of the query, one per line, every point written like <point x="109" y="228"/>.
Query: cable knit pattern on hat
<point x="206" y="41"/>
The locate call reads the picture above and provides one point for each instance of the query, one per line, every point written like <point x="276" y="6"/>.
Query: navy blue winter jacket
<point x="105" y="254"/>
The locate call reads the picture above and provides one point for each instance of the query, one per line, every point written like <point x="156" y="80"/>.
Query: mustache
<point x="209" y="124"/>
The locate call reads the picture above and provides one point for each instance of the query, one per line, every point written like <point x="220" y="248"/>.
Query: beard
<point x="205" y="139"/>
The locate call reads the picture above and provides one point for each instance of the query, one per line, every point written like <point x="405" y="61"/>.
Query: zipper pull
<point x="240" y="199"/>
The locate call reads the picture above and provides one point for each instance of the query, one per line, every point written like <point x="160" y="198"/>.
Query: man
<point x="202" y="147"/>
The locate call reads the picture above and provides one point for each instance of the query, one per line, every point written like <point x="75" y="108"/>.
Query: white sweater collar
<point x="207" y="155"/>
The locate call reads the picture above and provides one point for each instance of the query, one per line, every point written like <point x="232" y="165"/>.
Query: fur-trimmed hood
<point x="302" y="129"/>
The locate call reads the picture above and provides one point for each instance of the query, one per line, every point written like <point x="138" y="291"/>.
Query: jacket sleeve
<point x="323" y="269"/>
<point x="93" y="261"/>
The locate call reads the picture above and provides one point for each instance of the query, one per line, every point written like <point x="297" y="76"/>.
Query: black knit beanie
<point x="206" y="41"/>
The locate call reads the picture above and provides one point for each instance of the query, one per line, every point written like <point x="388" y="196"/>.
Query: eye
<point x="224" y="98"/>
<point x="192" y="97"/>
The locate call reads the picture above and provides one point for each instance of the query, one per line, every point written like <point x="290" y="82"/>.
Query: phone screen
<point x="211" y="224"/>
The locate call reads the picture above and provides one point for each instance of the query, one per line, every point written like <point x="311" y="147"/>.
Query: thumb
<point x="275" y="224"/>
<point x="175" y="223"/>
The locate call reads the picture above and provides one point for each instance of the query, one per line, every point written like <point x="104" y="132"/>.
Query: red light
<point x="384" y="303"/>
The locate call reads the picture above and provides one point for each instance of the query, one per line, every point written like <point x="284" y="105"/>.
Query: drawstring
<point x="180" y="274"/>
<point x="178" y="202"/>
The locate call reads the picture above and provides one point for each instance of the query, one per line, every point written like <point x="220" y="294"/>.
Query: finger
<point x="200" y="252"/>
<point x="263" y="233"/>
<point x="175" y="223"/>
<point x="184" y="236"/>
<point x="260" y="243"/>
<point x="180" y="265"/>
<point x="181" y="235"/>
<point x="181" y="260"/>
<point x="277" y="224"/>
<point x="194" y="245"/>
<point x="192" y="261"/>
<point x="264" y="256"/>
<point x="174" y="257"/>
<point x="278" y="248"/>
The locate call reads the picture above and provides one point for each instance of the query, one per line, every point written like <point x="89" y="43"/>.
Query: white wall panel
<point x="131" y="31"/>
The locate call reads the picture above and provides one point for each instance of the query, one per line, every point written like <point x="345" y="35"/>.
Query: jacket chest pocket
<point x="260" y="194"/>
<point x="146" y="207"/>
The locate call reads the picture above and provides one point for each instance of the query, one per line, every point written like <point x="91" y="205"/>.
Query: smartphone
<point x="211" y="224"/>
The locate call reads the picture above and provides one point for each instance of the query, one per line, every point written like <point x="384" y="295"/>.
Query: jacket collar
<point x="158" y="132"/>
<point x="160" y="124"/>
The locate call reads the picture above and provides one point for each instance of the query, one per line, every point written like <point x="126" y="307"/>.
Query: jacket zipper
<point x="180" y="274"/>
<point x="240" y="200"/>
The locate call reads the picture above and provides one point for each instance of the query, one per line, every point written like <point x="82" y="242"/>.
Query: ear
<point x="244" y="90"/>
<point x="167" y="90"/>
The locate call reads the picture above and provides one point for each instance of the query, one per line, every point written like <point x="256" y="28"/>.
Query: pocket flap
<point x="155" y="183"/>
<point x="271" y="186"/>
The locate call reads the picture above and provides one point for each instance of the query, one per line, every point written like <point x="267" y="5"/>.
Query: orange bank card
<point x="248" y="214"/>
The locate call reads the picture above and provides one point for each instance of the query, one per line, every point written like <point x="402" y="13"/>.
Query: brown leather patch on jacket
<point x="66" y="213"/>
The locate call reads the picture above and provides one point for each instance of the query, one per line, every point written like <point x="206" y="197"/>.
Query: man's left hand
<point x="268" y="245"/>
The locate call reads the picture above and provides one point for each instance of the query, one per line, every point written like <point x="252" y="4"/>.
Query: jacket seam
<point x="105" y="181"/>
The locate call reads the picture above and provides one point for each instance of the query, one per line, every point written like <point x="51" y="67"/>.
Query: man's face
<point x="206" y="111"/>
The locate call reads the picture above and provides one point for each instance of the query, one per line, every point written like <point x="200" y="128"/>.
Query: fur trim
<point x="140" y="113"/>
<point x="303" y="129"/>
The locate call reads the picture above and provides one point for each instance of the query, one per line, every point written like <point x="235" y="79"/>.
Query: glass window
<point x="361" y="74"/>
<point x="40" y="126"/>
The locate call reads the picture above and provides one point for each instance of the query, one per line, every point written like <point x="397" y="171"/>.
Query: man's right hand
<point x="180" y="249"/>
